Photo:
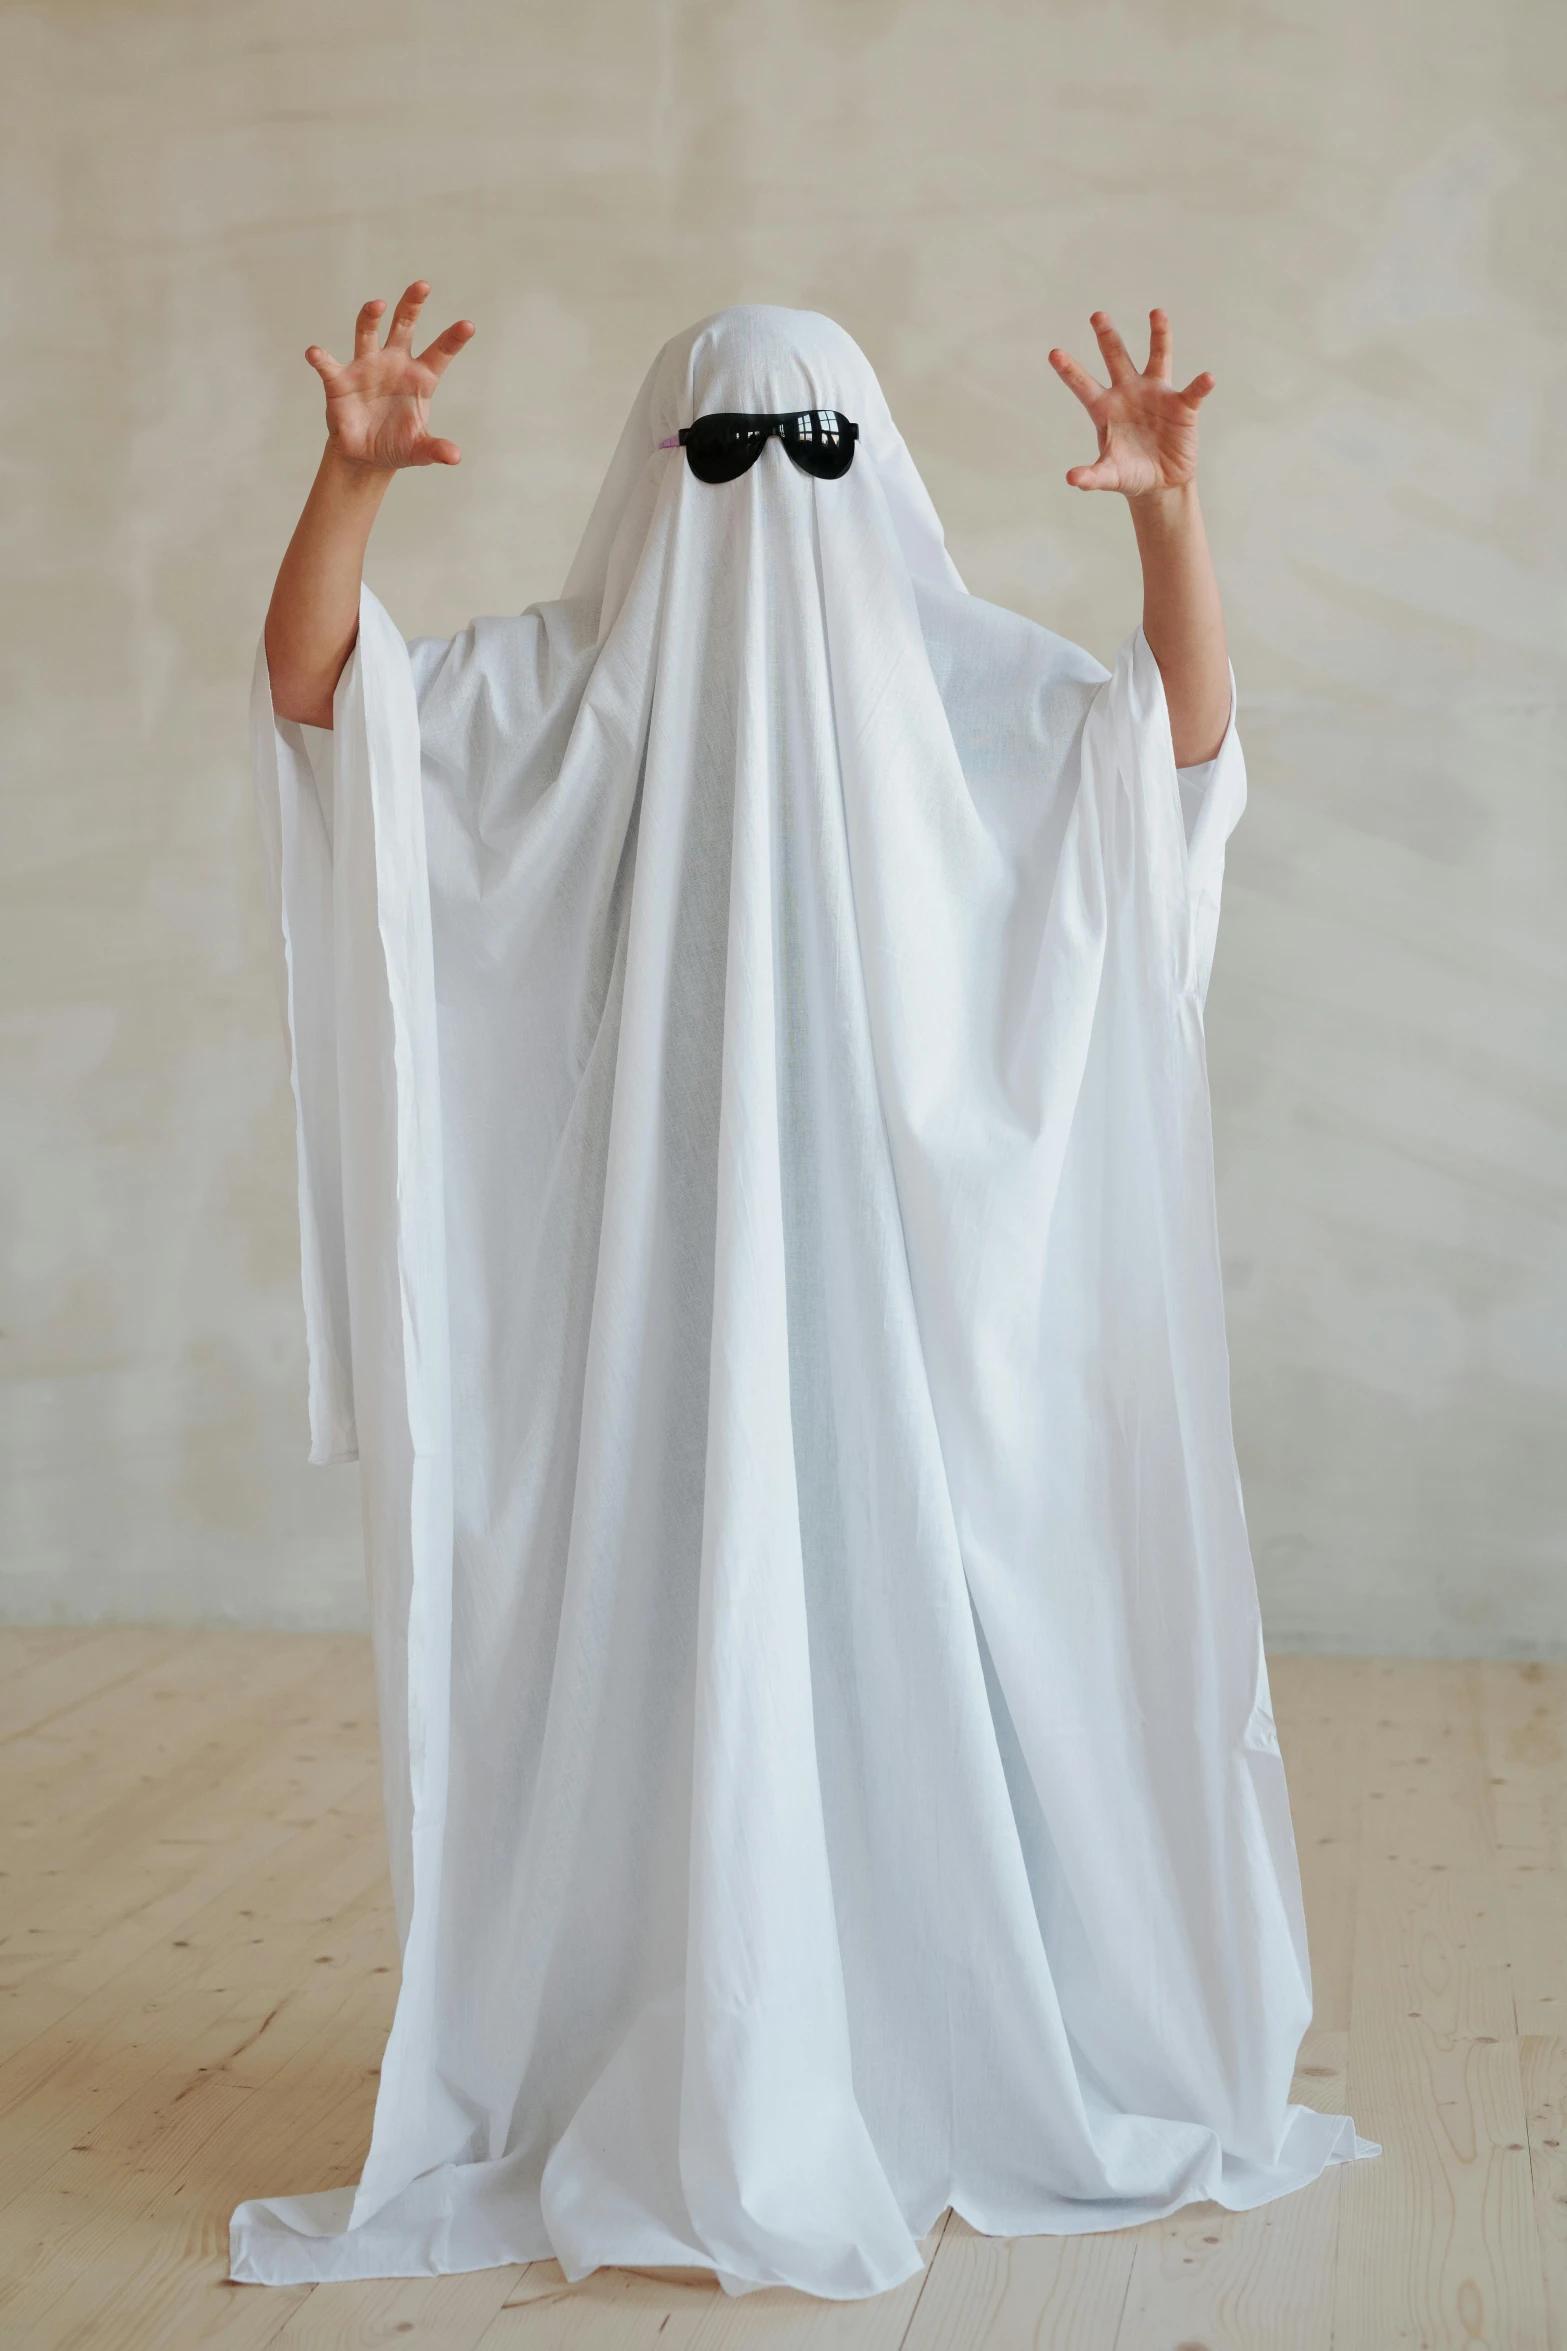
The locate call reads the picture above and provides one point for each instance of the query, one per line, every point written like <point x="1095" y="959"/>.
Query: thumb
<point x="1103" y="474"/>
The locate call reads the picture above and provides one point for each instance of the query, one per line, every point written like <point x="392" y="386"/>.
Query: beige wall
<point x="1351" y="207"/>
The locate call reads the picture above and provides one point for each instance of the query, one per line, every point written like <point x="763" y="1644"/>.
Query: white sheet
<point x="758" y="1231"/>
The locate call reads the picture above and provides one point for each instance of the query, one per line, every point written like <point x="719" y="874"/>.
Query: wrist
<point x="1172" y="504"/>
<point x="350" y="477"/>
<point x="1167" y="522"/>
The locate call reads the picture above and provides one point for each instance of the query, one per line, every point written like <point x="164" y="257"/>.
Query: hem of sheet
<point x="479" y="2216"/>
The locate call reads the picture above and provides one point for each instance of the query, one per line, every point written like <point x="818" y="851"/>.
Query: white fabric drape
<point x="758" y="1235"/>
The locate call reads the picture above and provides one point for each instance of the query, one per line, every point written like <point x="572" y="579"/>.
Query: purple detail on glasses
<point x="673" y="442"/>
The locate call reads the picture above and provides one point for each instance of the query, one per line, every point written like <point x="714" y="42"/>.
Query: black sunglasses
<point x="720" y="448"/>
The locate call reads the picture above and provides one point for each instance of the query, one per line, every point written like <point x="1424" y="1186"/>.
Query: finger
<point x="1103" y="474"/>
<point x="1160" y="345"/>
<point x="438" y="356"/>
<point x="326" y="367"/>
<point x="1199" y="388"/>
<point x="1116" y="356"/>
<point x="1077" y="379"/>
<point x="436" y="453"/>
<point x="400" y="334"/>
<point x="366" y="337"/>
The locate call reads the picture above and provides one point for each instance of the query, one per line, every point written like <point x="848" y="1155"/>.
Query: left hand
<point x="1147" y="430"/>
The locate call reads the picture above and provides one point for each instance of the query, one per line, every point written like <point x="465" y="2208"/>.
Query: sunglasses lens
<point x="821" y="442"/>
<point x="720" y="448"/>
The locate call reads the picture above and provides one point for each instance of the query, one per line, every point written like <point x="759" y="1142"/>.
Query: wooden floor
<point x="197" y="1973"/>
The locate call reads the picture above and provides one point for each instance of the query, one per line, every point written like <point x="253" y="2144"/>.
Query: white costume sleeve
<point x="1210" y="799"/>
<point x="295" y="818"/>
<point x="1213" y="797"/>
<point x="345" y="856"/>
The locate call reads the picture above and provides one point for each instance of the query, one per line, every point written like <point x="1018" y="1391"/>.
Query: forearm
<point x="1183" y="619"/>
<point x="313" y="618"/>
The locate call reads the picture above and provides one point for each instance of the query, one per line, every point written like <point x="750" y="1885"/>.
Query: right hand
<point x="378" y="406"/>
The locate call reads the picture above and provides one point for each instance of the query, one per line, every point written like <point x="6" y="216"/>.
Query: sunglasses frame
<point x="762" y="428"/>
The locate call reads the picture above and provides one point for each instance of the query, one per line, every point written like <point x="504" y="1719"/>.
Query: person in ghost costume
<point x="757" y="1215"/>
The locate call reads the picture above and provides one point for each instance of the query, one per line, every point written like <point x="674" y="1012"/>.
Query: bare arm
<point x="377" y="413"/>
<point x="313" y="618"/>
<point x="1148" y="451"/>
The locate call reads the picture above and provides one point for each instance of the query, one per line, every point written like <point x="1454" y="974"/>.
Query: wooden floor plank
<point x="79" y="1672"/>
<point x="269" y="1768"/>
<point x="1544" y="2068"/>
<point x="227" y="2008"/>
<point x="438" y="2314"/>
<point x="137" y="2208"/>
<point x="320" y="1760"/>
<point x="188" y="1742"/>
<point x="202" y="2013"/>
<point x="25" y="1648"/>
<point x="196" y="2138"/>
<point x="318" y="1853"/>
<point x="609" y="2310"/>
<point x="1023" y="2293"/>
<point x="56" y="1762"/>
<point x="1320" y="1708"/>
<point x="1525" y="1717"/>
<point x="1438" y="2240"/>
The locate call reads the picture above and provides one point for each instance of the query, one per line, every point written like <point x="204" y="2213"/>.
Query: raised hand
<point x="378" y="406"/>
<point x="1147" y="430"/>
<point x="377" y="421"/>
